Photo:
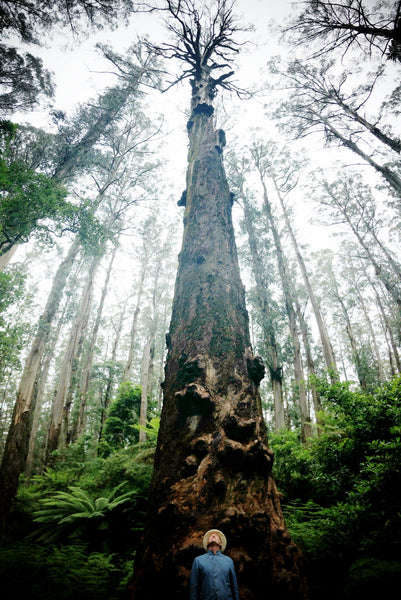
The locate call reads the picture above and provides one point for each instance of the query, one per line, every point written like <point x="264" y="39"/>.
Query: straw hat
<point x="222" y="537"/>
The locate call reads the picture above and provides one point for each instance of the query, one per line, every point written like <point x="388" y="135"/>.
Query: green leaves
<point x="68" y="514"/>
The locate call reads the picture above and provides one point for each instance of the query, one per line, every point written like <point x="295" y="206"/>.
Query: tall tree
<point x="264" y="300"/>
<point x="346" y="23"/>
<point x="14" y="457"/>
<point x="317" y="101"/>
<point x="212" y="465"/>
<point x="261" y="159"/>
<point x="284" y="175"/>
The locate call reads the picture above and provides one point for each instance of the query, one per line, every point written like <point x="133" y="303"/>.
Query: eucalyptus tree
<point x="266" y="306"/>
<point x="350" y="23"/>
<point x="284" y="172"/>
<point x="348" y="202"/>
<point x="23" y="77"/>
<point x="317" y="101"/>
<point x="341" y="302"/>
<point x="18" y="437"/>
<point x="212" y="464"/>
<point x="79" y="421"/>
<point x="261" y="159"/>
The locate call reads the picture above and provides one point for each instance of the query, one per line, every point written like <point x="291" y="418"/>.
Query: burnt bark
<point x="213" y="464"/>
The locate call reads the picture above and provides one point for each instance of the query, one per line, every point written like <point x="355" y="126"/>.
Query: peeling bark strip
<point x="213" y="465"/>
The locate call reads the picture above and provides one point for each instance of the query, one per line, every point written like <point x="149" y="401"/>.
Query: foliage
<point x="12" y="287"/>
<point x="123" y="415"/>
<point x="76" y="514"/>
<point x="342" y="491"/>
<point x="62" y="573"/>
<point x="32" y="203"/>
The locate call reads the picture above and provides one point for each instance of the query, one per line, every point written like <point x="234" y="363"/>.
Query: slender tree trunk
<point x="128" y="366"/>
<point x="5" y="258"/>
<point x="392" y="178"/>
<point x="75" y="340"/>
<point x="146" y="358"/>
<point x="382" y="376"/>
<point x="289" y="296"/>
<point x="105" y="402"/>
<point x="79" y="426"/>
<point x="17" y="443"/>
<point x="212" y="465"/>
<point x="378" y="133"/>
<point x="40" y="394"/>
<point x="350" y="332"/>
<point x="265" y="303"/>
<point x="323" y="333"/>
<point x="389" y="330"/>
<point x="310" y="363"/>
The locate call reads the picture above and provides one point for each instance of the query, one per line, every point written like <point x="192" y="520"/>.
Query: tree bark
<point x="75" y="339"/>
<point x="289" y="298"/>
<point x="17" y="443"/>
<point x="323" y="333"/>
<point x="265" y="302"/>
<point x="212" y="465"/>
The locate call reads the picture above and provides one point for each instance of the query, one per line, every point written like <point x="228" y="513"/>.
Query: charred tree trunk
<point x="212" y="465"/>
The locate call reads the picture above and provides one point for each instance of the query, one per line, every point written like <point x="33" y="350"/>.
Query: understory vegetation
<point x="75" y="528"/>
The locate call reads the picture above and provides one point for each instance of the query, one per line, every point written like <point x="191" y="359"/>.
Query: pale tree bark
<point x="212" y="464"/>
<point x="75" y="339"/>
<point x="390" y="176"/>
<point x="368" y="321"/>
<point x="5" y="258"/>
<point x="106" y="398"/>
<point x="134" y="325"/>
<point x="323" y="333"/>
<point x="78" y="428"/>
<point x="41" y="390"/>
<point x="265" y="303"/>
<point x="355" y="355"/>
<point x="288" y="292"/>
<point x="388" y="330"/>
<point x="310" y="363"/>
<point x="17" y="443"/>
<point x="147" y="360"/>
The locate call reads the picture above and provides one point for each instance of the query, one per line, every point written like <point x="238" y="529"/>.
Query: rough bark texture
<point x="213" y="464"/>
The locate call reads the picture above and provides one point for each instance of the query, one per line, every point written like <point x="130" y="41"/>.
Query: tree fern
<point x="71" y="513"/>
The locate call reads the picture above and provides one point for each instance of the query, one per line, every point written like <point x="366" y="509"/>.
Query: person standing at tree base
<point x="213" y="574"/>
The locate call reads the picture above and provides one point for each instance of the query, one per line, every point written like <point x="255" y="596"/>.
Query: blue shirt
<point x="213" y="578"/>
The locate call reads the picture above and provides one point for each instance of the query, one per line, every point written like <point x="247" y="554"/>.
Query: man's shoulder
<point x="206" y="557"/>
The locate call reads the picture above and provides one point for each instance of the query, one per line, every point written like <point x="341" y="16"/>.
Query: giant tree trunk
<point x="212" y="465"/>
